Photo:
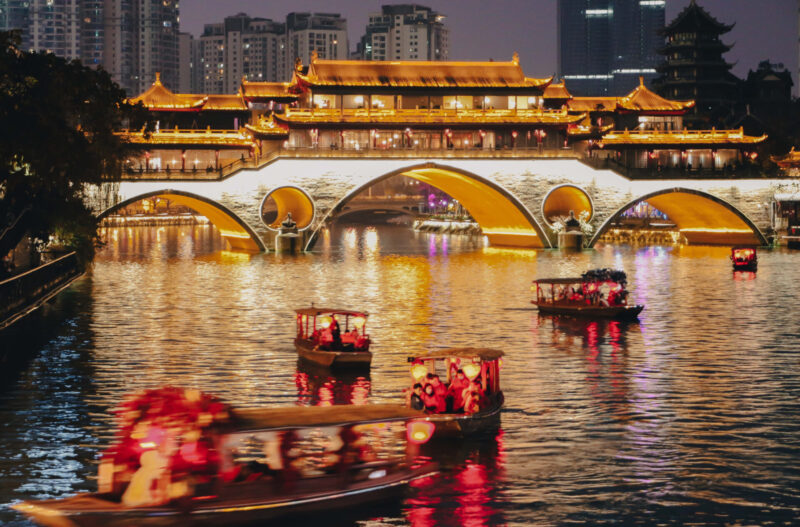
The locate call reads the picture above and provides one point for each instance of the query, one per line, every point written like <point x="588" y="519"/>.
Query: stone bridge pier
<point x="511" y="199"/>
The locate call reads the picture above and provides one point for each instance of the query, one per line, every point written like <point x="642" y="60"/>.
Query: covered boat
<point x="459" y="389"/>
<point x="334" y="338"/>
<point x="598" y="293"/>
<point x="184" y="458"/>
<point x="744" y="258"/>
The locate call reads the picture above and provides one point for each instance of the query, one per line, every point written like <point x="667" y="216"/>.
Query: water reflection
<point x="319" y="387"/>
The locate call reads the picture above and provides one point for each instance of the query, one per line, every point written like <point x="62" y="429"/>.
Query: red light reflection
<point x="324" y="389"/>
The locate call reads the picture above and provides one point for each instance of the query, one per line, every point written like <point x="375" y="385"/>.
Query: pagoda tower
<point x="694" y="68"/>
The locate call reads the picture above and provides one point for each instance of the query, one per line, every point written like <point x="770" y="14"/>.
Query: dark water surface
<point x="690" y="416"/>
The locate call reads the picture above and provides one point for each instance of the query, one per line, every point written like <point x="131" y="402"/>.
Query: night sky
<point x="481" y="29"/>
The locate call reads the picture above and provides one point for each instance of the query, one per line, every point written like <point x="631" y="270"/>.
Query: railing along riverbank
<point x="22" y="294"/>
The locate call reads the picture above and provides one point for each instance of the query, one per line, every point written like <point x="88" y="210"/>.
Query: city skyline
<point x="759" y="33"/>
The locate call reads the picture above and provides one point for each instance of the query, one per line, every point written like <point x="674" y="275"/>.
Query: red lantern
<point x="419" y="432"/>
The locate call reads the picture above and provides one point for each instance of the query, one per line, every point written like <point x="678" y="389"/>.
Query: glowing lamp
<point x="325" y="322"/>
<point x="147" y="445"/>
<point x="359" y="322"/>
<point x="418" y="371"/>
<point x="419" y="432"/>
<point x="471" y="371"/>
<point x="499" y="364"/>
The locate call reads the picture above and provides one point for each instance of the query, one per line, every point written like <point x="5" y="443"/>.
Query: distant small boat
<point x="744" y="258"/>
<point x="480" y="368"/>
<point x="334" y="338"/>
<point x="599" y="293"/>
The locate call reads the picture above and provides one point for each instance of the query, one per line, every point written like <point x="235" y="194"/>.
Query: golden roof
<point x="224" y="102"/>
<point x="592" y="104"/>
<point x="266" y="90"/>
<point x="177" y="137"/>
<point x="159" y="97"/>
<point x="642" y="99"/>
<point x="267" y="127"/>
<point x="419" y="74"/>
<point x="433" y="117"/>
<point x="790" y="160"/>
<point x="680" y="137"/>
<point x="557" y="91"/>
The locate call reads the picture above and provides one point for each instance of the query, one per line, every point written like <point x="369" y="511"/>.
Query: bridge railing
<point x="746" y="171"/>
<point x="22" y="293"/>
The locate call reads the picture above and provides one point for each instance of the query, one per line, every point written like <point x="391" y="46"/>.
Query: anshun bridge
<point x="511" y="149"/>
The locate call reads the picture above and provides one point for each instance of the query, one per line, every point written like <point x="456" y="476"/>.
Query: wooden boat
<point x="598" y="293"/>
<point x="273" y="463"/>
<point x="478" y="365"/>
<point x="321" y="339"/>
<point x="744" y="258"/>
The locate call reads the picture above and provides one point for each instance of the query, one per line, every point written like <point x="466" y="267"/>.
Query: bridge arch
<point x="702" y="218"/>
<point x="287" y="199"/>
<point x="502" y="217"/>
<point x="564" y="198"/>
<point x="232" y="228"/>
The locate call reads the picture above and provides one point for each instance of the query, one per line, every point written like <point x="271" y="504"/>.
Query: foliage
<point x="57" y="139"/>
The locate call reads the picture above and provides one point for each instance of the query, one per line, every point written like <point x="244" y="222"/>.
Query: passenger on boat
<point x="415" y="401"/>
<point x="456" y="390"/>
<point x="336" y="334"/>
<point x="430" y="399"/>
<point x="474" y="398"/>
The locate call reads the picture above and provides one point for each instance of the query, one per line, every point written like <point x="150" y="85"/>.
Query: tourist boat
<point x="335" y="338"/>
<point x="599" y="293"/>
<point x="208" y="465"/>
<point x="480" y="368"/>
<point x="744" y="258"/>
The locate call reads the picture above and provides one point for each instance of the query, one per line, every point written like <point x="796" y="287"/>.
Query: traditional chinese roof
<point x="277" y="91"/>
<point x="403" y="118"/>
<point x="643" y="100"/>
<point x="557" y="91"/>
<point x="592" y="104"/>
<point x="224" y="102"/>
<point x="159" y="97"/>
<point x="267" y="128"/>
<point x="694" y="19"/>
<point x="419" y="74"/>
<point x="681" y="138"/>
<point x="790" y="160"/>
<point x="215" y="139"/>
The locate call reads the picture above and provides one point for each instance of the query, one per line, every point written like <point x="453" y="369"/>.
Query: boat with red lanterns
<point x="184" y="458"/>
<point x="465" y="385"/>
<point x="744" y="258"/>
<point x="598" y="293"/>
<point x="334" y="338"/>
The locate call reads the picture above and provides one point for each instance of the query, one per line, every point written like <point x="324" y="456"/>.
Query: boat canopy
<point x="484" y="354"/>
<point x="575" y="280"/>
<point x="317" y="416"/>
<point x="317" y="311"/>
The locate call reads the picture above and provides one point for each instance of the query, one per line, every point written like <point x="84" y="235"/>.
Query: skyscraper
<point x="131" y="39"/>
<point x="606" y="45"/>
<point x="404" y="32"/>
<point x="323" y="33"/>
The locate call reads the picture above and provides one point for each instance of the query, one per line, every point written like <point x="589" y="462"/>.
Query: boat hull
<point x="87" y="510"/>
<point x="460" y="425"/>
<point x="610" y="312"/>
<point x="332" y="359"/>
<point x="752" y="266"/>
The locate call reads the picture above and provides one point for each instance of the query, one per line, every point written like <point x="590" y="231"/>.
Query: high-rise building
<point x="241" y="47"/>
<point x="404" y="32"/>
<point x="323" y="33"/>
<point x="186" y="63"/>
<point x="606" y="45"/>
<point x="132" y="39"/>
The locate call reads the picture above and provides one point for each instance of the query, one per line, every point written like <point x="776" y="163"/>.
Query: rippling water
<point x="691" y="415"/>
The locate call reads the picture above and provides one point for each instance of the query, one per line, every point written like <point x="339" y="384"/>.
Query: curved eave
<point x="268" y="133"/>
<point x="403" y="121"/>
<point x="182" y="141"/>
<point x="609" y="141"/>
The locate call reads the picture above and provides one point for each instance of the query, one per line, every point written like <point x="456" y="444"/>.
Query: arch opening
<point x="699" y="218"/>
<point x="502" y="217"/>
<point x="281" y="201"/>
<point x="562" y="199"/>
<point x="233" y="229"/>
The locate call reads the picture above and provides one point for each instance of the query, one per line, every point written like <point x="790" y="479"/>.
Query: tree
<point x="56" y="140"/>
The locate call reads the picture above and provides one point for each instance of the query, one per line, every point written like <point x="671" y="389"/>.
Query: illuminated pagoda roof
<point x="417" y="74"/>
<point x="642" y="99"/>
<point x="224" y="102"/>
<point x="680" y="138"/>
<point x="159" y="97"/>
<point x="557" y="91"/>
<point x="423" y="118"/>
<point x="592" y="104"/>
<point x="267" y="128"/>
<point x="268" y="91"/>
<point x="790" y="160"/>
<point x="195" y="139"/>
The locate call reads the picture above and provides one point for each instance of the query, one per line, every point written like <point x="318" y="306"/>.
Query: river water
<point x="691" y="415"/>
